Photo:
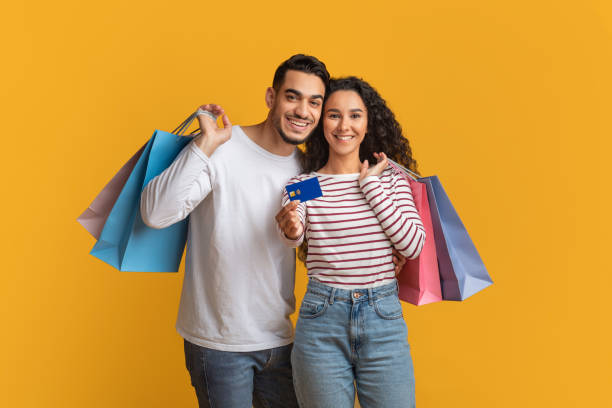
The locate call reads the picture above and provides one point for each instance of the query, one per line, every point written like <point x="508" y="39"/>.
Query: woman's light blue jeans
<point x="348" y="338"/>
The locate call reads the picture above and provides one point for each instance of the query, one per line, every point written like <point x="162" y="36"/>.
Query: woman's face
<point x="345" y="122"/>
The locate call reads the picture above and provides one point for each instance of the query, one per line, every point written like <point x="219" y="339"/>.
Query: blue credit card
<point x="304" y="190"/>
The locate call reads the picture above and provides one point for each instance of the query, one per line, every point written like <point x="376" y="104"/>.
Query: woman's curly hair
<point x="384" y="134"/>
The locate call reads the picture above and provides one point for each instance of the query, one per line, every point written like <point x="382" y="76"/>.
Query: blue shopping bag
<point x="462" y="272"/>
<point x="126" y="242"/>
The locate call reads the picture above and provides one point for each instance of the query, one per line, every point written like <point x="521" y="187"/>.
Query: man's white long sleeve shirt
<point x="239" y="276"/>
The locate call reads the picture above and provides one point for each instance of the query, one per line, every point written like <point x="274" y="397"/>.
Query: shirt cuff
<point x="369" y="184"/>
<point x="366" y="180"/>
<point x="291" y="243"/>
<point x="198" y="152"/>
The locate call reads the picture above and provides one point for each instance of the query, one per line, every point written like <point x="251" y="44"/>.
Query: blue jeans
<point x="225" y="379"/>
<point x="348" y="338"/>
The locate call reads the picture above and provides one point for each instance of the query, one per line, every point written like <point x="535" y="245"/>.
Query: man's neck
<point x="266" y="136"/>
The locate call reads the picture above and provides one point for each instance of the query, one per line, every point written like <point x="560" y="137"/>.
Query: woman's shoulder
<point x="301" y="177"/>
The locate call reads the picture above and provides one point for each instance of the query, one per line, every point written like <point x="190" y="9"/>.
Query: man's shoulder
<point x="299" y="155"/>
<point x="231" y="145"/>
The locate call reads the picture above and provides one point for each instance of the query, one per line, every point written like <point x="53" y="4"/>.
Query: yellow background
<point x="508" y="102"/>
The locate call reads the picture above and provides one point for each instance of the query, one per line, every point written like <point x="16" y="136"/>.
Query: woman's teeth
<point x="344" y="137"/>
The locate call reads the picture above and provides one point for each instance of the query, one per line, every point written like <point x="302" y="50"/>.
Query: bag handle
<point x="187" y="122"/>
<point x="180" y="129"/>
<point x="410" y="172"/>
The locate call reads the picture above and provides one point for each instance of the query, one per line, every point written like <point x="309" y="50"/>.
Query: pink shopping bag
<point x="419" y="280"/>
<point x="94" y="217"/>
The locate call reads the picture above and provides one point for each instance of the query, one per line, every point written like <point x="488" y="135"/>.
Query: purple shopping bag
<point x="462" y="272"/>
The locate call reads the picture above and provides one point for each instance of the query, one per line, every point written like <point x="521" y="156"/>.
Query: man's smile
<point x="298" y="124"/>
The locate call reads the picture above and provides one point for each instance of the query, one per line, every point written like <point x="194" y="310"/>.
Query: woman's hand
<point x="289" y="220"/>
<point x="399" y="261"/>
<point x="376" y="170"/>
<point x="212" y="136"/>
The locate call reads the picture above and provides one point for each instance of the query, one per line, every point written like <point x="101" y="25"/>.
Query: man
<point x="239" y="277"/>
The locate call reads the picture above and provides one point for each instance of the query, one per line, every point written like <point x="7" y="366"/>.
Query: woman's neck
<point x="341" y="164"/>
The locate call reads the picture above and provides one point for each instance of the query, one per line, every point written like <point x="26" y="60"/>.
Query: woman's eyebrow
<point x="338" y="110"/>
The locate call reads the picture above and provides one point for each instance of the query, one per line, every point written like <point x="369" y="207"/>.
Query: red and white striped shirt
<point x="351" y="229"/>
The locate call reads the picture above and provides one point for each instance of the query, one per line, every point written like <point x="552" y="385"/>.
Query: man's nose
<point x="301" y="110"/>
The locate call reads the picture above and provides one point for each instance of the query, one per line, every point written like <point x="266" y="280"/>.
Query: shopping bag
<point x="125" y="241"/>
<point x="419" y="279"/>
<point x="94" y="217"/>
<point x="462" y="272"/>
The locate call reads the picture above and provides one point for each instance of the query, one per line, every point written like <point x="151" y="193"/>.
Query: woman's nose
<point x="343" y="125"/>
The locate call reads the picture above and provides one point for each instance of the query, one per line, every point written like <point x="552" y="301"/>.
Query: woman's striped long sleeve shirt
<point x="351" y="229"/>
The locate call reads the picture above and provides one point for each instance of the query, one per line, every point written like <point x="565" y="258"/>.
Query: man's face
<point x="295" y="108"/>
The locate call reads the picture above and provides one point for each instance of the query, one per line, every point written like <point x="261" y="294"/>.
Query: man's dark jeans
<point x="225" y="379"/>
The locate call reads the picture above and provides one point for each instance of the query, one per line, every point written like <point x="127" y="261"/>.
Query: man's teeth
<point x="300" y="124"/>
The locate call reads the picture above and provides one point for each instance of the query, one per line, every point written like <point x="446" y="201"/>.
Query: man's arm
<point x="171" y="196"/>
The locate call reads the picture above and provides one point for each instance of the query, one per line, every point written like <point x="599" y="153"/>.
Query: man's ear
<point x="270" y="97"/>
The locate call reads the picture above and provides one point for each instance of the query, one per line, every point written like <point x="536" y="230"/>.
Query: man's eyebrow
<point x="298" y="93"/>
<point x="293" y="91"/>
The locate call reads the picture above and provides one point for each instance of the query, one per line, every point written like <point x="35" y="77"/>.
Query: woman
<point x="350" y="329"/>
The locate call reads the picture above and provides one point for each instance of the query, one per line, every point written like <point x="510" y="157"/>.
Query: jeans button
<point x="356" y="295"/>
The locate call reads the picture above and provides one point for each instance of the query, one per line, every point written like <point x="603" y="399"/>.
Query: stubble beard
<point x="277" y="125"/>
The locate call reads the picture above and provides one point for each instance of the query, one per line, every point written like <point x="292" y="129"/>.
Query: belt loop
<point x="370" y="295"/>
<point x="331" y="296"/>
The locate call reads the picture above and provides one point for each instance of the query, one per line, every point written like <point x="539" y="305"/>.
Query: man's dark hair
<point x="302" y="63"/>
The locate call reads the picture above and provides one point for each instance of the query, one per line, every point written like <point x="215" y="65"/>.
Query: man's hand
<point x="376" y="170"/>
<point x="399" y="260"/>
<point x="289" y="221"/>
<point x="211" y="136"/>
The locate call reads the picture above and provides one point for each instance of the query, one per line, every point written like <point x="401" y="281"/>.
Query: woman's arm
<point x="291" y="220"/>
<point x="396" y="213"/>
